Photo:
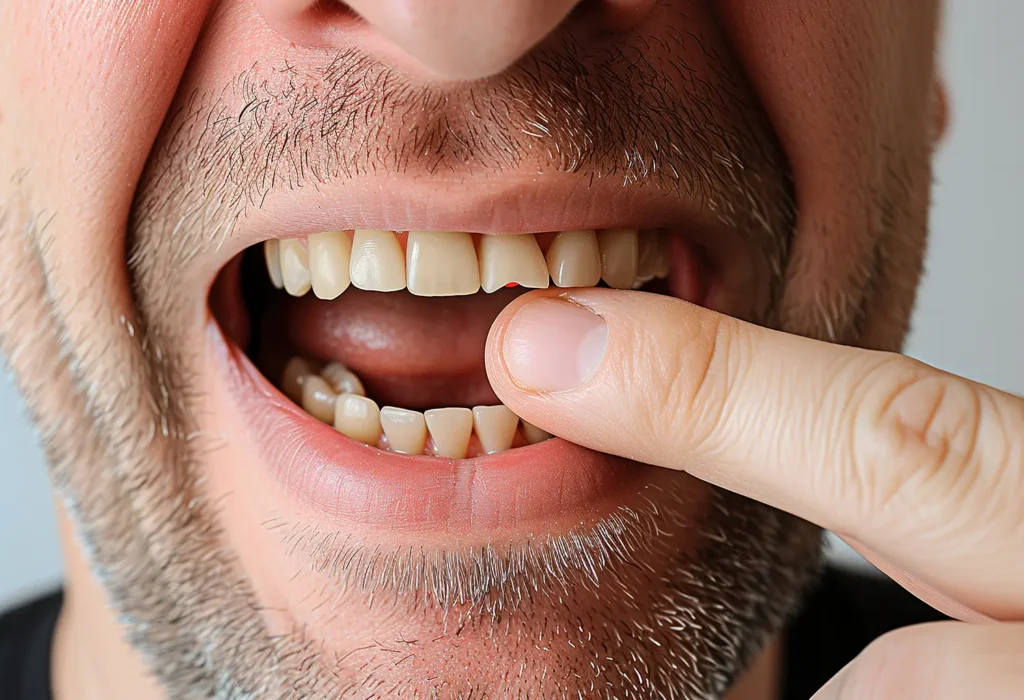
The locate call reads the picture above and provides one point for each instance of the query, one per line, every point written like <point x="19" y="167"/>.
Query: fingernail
<point x="554" y="345"/>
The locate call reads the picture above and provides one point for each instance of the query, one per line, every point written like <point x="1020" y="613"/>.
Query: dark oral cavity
<point x="393" y="368"/>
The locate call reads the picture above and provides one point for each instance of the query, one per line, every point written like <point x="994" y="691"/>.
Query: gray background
<point x="969" y="318"/>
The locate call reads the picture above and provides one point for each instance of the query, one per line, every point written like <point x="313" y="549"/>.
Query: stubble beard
<point x="128" y="452"/>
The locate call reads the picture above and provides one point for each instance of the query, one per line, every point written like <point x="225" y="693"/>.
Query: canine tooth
<point x="451" y="429"/>
<point x="441" y="264"/>
<point x="342" y="380"/>
<point x="534" y="434"/>
<point x="358" y="417"/>
<point x="495" y="427"/>
<point x="574" y="259"/>
<point x="294" y="267"/>
<point x="377" y="261"/>
<point x="329" y="256"/>
<point x="272" y="254"/>
<point x="406" y="430"/>
<point x="619" y="254"/>
<point x="318" y="398"/>
<point x="294" y="375"/>
<point x="505" y="259"/>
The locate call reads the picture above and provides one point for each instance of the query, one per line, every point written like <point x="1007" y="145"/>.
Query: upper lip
<point x="517" y="203"/>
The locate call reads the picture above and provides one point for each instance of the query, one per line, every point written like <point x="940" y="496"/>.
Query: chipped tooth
<point x="342" y="380"/>
<point x="574" y="259"/>
<point x="534" y="434"/>
<point x="294" y="267"/>
<point x="505" y="259"/>
<point x="450" y="429"/>
<point x="495" y="427"/>
<point x="620" y="251"/>
<point x="406" y="430"/>
<point x="329" y="257"/>
<point x="294" y="375"/>
<point x="441" y="264"/>
<point x="377" y="263"/>
<point x="358" y="417"/>
<point x="318" y="398"/>
<point x="272" y="254"/>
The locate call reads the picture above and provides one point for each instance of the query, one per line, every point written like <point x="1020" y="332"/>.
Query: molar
<point x="377" y="263"/>
<point x="505" y="259"/>
<point x="294" y="267"/>
<point x="495" y="427"/>
<point x="450" y="429"/>
<point x="406" y="430"/>
<point x="358" y="417"/>
<point x="294" y="375"/>
<point x="441" y="263"/>
<point x="574" y="259"/>
<point x="330" y="254"/>
<point x="342" y="380"/>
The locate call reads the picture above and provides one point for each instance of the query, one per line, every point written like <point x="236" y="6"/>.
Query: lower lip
<point x="551" y="483"/>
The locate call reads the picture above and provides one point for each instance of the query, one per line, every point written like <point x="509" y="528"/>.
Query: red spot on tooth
<point x="511" y="284"/>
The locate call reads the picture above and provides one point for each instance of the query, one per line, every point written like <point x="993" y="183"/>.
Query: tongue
<point x="412" y="352"/>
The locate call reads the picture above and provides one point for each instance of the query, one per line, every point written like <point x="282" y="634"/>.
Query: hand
<point x="921" y="471"/>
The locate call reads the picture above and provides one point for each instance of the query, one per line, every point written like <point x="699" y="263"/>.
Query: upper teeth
<point x="440" y="263"/>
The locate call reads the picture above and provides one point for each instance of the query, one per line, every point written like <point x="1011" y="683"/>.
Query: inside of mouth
<point x="381" y="334"/>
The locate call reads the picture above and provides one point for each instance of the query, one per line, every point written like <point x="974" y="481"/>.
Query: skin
<point x="836" y="108"/>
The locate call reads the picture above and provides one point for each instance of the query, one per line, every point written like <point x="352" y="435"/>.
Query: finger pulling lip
<point x="547" y="486"/>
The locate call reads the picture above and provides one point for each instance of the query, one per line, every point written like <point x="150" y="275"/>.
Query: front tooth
<point x="358" y="417"/>
<point x="505" y="259"/>
<point x="574" y="259"/>
<point x="534" y="434"/>
<point x="318" y="398"/>
<point x="378" y="263"/>
<point x="450" y="428"/>
<point x="342" y="380"/>
<point x="441" y="264"/>
<point x="619" y="254"/>
<point x="294" y="375"/>
<point x="406" y="430"/>
<point x="294" y="267"/>
<point x="495" y="427"/>
<point x="272" y="254"/>
<point x="329" y="256"/>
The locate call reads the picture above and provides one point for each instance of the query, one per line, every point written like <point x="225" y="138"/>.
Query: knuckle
<point x="918" y="438"/>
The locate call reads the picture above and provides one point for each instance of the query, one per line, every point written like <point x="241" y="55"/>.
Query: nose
<point x="449" y="39"/>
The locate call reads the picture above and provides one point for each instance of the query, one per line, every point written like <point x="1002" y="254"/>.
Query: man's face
<point x="779" y="150"/>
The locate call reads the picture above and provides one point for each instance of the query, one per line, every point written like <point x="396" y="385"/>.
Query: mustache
<point x="642" y="118"/>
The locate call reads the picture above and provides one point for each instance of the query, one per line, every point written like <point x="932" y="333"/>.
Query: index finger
<point x="920" y="466"/>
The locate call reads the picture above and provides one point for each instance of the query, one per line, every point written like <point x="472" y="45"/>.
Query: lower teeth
<point x="335" y="395"/>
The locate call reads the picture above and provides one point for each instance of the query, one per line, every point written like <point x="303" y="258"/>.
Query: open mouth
<point x="367" y="348"/>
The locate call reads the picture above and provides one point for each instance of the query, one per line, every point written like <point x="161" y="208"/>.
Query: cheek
<point x="88" y="88"/>
<point x="849" y="89"/>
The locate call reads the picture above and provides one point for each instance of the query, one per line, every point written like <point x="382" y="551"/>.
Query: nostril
<point x="333" y="10"/>
<point x="310" y="22"/>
